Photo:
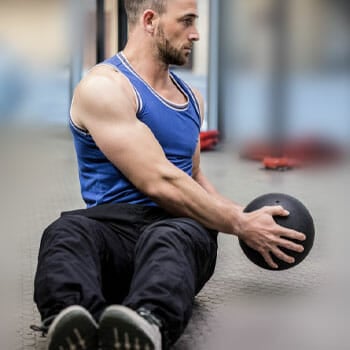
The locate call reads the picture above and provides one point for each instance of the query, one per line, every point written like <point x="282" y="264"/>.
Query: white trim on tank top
<point x="137" y="95"/>
<point x="171" y="105"/>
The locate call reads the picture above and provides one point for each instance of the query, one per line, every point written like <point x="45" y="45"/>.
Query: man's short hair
<point x="134" y="8"/>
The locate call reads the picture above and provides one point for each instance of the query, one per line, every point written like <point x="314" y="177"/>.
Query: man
<point x="123" y="273"/>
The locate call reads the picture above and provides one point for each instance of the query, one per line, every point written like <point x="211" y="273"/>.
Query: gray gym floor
<point x="243" y="307"/>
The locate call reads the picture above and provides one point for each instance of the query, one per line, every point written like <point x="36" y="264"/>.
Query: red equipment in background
<point x="209" y="139"/>
<point x="290" y="154"/>
<point x="293" y="153"/>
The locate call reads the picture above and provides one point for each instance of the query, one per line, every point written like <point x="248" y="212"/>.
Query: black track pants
<point x="125" y="254"/>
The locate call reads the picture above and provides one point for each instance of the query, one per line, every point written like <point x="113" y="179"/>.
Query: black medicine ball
<point x="299" y="219"/>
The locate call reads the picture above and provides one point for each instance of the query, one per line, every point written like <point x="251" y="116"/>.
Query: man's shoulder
<point x="103" y="76"/>
<point x="103" y="84"/>
<point x="102" y="91"/>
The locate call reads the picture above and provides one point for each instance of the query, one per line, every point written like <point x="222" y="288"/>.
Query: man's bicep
<point x="127" y="142"/>
<point x="132" y="148"/>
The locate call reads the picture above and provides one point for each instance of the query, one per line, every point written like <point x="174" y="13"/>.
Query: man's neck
<point x="150" y="68"/>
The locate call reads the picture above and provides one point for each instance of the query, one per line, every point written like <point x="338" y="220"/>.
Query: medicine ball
<point x="299" y="219"/>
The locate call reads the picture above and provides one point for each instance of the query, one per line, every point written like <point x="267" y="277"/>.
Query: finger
<point x="289" y="233"/>
<point x="286" y="243"/>
<point x="269" y="260"/>
<point x="276" y="210"/>
<point x="282" y="256"/>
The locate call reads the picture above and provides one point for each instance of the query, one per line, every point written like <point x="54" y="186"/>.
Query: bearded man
<point x="123" y="272"/>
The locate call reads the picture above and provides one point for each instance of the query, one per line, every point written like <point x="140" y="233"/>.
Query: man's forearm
<point x="183" y="196"/>
<point x="202" y="180"/>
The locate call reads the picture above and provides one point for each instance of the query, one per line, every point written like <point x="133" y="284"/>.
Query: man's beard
<point x="167" y="53"/>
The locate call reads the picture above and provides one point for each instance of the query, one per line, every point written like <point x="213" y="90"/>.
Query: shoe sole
<point x="122" y="329"/>
<point x="73" y="328"/>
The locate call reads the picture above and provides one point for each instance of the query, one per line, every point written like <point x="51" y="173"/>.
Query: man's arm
<point x="259" y="215"/>
<point x="197" y="172"/>
<point x="104" y="104"/>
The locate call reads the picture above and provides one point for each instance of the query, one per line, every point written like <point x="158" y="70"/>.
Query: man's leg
<point x="69" y="267"/>
<point x="77" y="257"/>
<point x="173" y="260"/>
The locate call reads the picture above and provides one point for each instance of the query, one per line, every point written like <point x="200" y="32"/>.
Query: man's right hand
<point x="259" y="231"/>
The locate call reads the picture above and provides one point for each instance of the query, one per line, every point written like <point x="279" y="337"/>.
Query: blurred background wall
<point x="34" y="61"/>
<point x="41" y="40"/>
<point x="315" y="74"/>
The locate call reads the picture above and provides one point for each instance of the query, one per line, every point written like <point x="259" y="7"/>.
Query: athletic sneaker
<point x="122" y="328"/>
<point x="73" y="329"/>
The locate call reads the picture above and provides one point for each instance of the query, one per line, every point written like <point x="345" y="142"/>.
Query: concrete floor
<point x="243" y="307"/>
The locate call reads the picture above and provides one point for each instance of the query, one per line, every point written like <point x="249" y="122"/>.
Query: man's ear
<point x="149" y="18"/>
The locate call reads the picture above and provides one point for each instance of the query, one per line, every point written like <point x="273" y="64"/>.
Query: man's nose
<point x="194" y="35"/>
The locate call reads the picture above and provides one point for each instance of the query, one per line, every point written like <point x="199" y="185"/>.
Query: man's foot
<point x="73" y="329"/>
<point x="122" y="328"/>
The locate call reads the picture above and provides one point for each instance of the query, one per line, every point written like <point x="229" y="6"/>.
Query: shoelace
<point x="148" y="316"/>
<point x="44" y="327"/>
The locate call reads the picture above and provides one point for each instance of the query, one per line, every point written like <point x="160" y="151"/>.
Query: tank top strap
<point x="189" y="92"/>
<point x="118" y="62"/>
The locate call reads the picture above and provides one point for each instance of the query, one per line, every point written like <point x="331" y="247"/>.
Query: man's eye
<point x="188" y="21"/>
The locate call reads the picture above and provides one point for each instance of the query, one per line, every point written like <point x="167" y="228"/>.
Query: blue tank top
<point x="176" y="127"/>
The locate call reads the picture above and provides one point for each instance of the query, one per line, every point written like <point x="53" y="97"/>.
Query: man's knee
<point x="181" y="234"/>
<point x="175" y="226"/>
<point x="72" y="229"/>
